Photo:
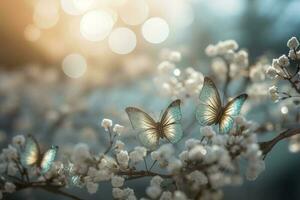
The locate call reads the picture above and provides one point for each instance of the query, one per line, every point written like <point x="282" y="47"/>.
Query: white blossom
<point x="123" y="158"/>
<point x="198" y="178"/>
<point x="118" y="129"/>
<point x="9" y="187"/>
<point x="274" y="93"/>
<point x="18" y="140"/>
<point x="92" y="187"/>
<point x="292" y="55"/>
<point x="166" y="195"/>
<point x="117" y="181"/>
<point x="156" y="181"/>
<point x="175" y="56"/>
<point x="197" y="153"/>
<point x="293" y="43"/>
<point x="271" y="72"/>
<point x="138" y="154"/>
<point x="153" y="191"/>
<point x="207" y="131"/>
<point x="81" y="153"/>
<point x="283" y="61"/>
<point x="165" y="67"/>
<point x="10" y="153"/>
<point x="106" y="123"/>
<point x="179" y="195"/>
<point x="119" y="145"/>
<point x="190" y="143"/>
<point x="211" y="50"/>
<point x="241" y="58"/>
<point x="118" y="193"/>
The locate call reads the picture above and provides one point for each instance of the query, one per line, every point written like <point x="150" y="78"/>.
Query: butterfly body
<point x="150" y="131"/>
<point x="160" y="130"/>
<point x="211" y="111"/>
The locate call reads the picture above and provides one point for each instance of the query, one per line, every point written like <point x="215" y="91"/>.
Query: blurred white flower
<point x="12" y="169"/>
<point x="106" y="123"/>
<point x="175" y="56"/>
<point x="156" y="181"/>
<point x="241" y="58"/>
<point x="153" y="191"/>
<point x="118" y="193"/>
<point x="179" y="195"/>
<point x="293" y="43"/>
<point x="283" y="61"/>
<point x="92" y="187"/>
<point x="274" y="93"/>
<point x="138" y="154"/>
<point x="271" y="72"/>
<point x="166" y="195"/>
<point x="123" y="158"/>
<point x="292" y="55"/>
<point x="81" y="153"/>
<point x="18" y="140"/>
<point x="10" y="153"/>
<point x="117" y="181"/>
<point x="197" y="153"/>
<point x="118" y="129"/>
<point x="198" y="178"/>
<point x="207" y="131"/>
<point x="257" y="72"/>
<point x="9" y="187"/>
<point x="119" y="145"/>
<point x="211" y="50"/>
<point x="165" y="67"/>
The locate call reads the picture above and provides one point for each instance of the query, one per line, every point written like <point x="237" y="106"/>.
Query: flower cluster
<point x="286" y="67"/>
<point x="175" y="82"/>
<point x="227" y="58"/>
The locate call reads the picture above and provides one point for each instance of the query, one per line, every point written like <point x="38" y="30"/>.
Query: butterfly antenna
<point x="160" y="115"/>
<point x="223" y="98"/>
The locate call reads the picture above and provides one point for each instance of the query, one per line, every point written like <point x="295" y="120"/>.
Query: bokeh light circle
<point x="122" y="40"/>
<point x="70" y="7"/>
<point x="83" y="5"/>
<point x="155" y="30"/>
<point x="96" y="25"/>
<point x="74" y="65"/>
<point x="46" y="14"/>
<point x="134" y="12"/>
<point x="181" y="14"/>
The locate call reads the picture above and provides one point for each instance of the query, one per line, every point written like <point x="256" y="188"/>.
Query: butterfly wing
<point x="31" y="154"/>
<point x="210" y="104"/>
<point x="48" y="159"/>
<point x="231" y="110"/>
<point x="170" y="122"/>
<point x="145" y="125"/>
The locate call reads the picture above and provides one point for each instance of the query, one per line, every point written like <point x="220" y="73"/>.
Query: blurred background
<point x="66" y="64"/>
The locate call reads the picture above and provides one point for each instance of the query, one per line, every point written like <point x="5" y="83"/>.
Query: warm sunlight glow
<point x="122" y="40"/>
<point x="46" y="14"/>
<point x="134" y="12"/>
<point x="96" y="25"/>
<point x="32" y="33"/>
<point x="155" y="30"/>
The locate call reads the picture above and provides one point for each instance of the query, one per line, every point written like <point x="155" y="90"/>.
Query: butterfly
<point x="210" y="111"/>
<point x="150" y="131"/>
<point x="32" y="155"/>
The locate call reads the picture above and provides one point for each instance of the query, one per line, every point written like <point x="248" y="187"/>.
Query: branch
<point x="267" y="146"/>
<point x="55" y="189"/>
<point x="139" y="174"/>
